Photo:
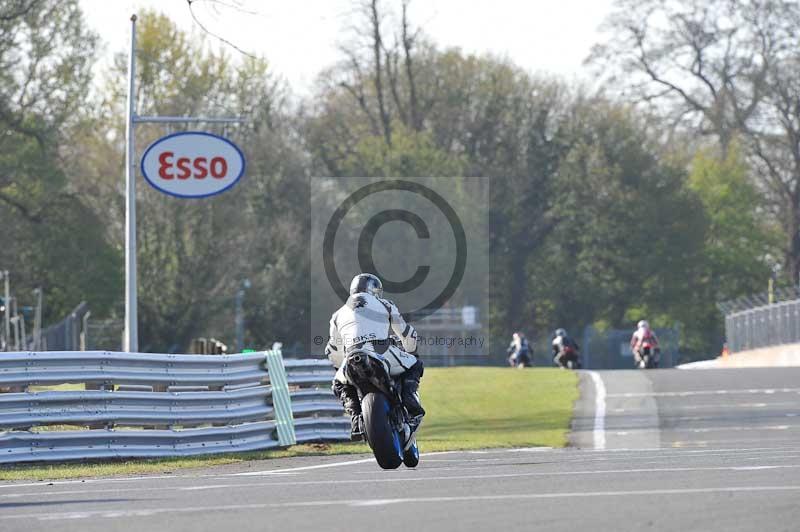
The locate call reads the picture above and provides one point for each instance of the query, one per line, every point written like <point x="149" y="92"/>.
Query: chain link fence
<point x="104" y="335"/>
<point x="762" y="326"/>
<point x="68" y="334"/>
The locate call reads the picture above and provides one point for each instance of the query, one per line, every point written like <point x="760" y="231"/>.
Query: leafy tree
<point x="50" y="238"/>
<point x="630" y="233"/>
<point x="193" y="254"/>
<point x="594" y="215"/>
<point x="739" y="241"/>
<point x="740" y="244"/>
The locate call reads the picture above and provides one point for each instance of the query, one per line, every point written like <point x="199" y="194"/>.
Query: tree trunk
<point x="518" y="318"/>
<point x="377" y="50"/>
<point x="793" y="239"/>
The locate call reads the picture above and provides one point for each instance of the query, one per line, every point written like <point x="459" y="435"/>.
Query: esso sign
<point x="192" y="164"/>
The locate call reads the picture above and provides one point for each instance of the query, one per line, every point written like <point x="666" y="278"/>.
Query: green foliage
<point x="739" y="244"/>
<point x="628" y="230"/>
<point x="739" y="240"/>
<point x="50" y="238"/>
<point x="411" y="154"/>
<point x="193" y="254"/>
<point x="590" y="219"/>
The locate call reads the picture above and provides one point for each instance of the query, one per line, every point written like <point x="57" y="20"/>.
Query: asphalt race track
<point x="710" y="450"/>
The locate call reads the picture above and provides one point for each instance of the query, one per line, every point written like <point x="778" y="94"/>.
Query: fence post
<point x="7" y="314"/>
<point x="587" y="352"/>
<point x="85" y="331"/>
<point x="281" y="399"/>
<point x="37" y="321"/>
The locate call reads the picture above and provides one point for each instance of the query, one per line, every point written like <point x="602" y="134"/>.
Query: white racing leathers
<point x="367" y="322"/>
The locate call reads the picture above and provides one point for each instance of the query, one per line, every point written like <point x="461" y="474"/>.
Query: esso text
<point x="170" y="167"/>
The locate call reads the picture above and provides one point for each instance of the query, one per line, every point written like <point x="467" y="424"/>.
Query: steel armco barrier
<point x="212" y="404"/>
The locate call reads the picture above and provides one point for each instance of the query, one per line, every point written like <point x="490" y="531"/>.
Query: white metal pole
<point x="131" y="336"/>
<point x="37" y="321"/>
<point x="16" y="323"/>
<point x="23" y="332"/>
<point x="7" y="301"/>
<point x="85" y="332"/>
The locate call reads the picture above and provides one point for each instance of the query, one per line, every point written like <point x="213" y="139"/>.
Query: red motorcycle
<point x="648" y="355"/>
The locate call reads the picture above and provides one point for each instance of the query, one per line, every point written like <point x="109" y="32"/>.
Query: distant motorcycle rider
<point x="367" y="321"/>
<point x="643" y="334"/>
<point x="563" y="347"/>
<point x="519" y="351"/>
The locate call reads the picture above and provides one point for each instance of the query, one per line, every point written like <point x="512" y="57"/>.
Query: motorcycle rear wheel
<point x="381" y="436"/>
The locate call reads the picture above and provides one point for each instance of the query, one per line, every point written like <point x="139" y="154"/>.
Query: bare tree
<point x="724" y="68"/>
<point x="774" y="142"/>
<point x="703" y="61"/>
<point x="380" y="72"/>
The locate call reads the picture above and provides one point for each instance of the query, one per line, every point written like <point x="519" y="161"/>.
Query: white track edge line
<point x="599" y="432"/>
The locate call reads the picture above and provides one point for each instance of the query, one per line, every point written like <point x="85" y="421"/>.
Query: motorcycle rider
<point x="367" y="321"/>
<point x="643" y="334"/>
<point x="519" y="351"/>
<point x="561" y="345"/>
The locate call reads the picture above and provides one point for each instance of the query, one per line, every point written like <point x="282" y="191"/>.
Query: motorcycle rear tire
<point x="381" y="436"/>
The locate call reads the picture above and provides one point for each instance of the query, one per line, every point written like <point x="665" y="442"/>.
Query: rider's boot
<point x="348" y="394"/>
<point x="410" y="391"/>
<point x="410" y="397"/>
<point x="411" y="401"/>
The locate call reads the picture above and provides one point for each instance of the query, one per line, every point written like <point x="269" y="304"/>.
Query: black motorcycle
<point x="522" y="360"/>
<point x="568" y="358"/>
<point x="386" y="422"/>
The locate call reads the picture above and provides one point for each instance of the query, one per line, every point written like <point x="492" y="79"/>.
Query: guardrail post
<point x="281" y="400"/>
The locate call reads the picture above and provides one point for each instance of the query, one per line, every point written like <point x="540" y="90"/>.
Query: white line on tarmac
<point x="528" y="450"/>
<point x="774" y="404"/>
<point x="440" y="478"/>
<point x="367" y="460"/>
<point x="599" y="432"/>
<point x="573" y="456"/>
<point x="303" y="468"/>
<point x="723" y="429"/>
<point x="147" y="512"/>
<point x="648" y="455"/>
<point x="768" y="391"/>
<point x="87" y="481"/>
<point x="528" y="496"/>
<point x="757" y="438"/>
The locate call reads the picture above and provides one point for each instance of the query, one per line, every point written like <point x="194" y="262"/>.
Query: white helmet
<point x="642" y="324"/>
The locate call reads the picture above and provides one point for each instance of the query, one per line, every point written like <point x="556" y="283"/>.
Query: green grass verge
<point x="468" y="408"/>
<point x="479" y="408"/>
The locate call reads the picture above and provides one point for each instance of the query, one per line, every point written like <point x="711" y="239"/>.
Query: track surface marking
<point x="677" y="458"/>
